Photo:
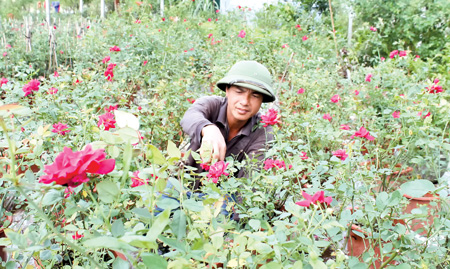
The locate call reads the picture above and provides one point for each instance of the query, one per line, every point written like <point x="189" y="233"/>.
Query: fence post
<point x="162" y="8"/>
<point x="47" y="12"/>
<point x="81" y="6"/>
<point x="102" y="9"/>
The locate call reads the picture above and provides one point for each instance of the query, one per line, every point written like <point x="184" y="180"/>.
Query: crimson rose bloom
<point x="107" y="120"/>
<point x="71" y="168"/>
<point x="3" y="81"/>
<point x="344" y="127"/>
<point x="363" y="133"/>
<point x="33" y="85"/>
<point x="137" y="181"/>
<point x="304" y="155"/>
<point x="77" y="236"/>
<point x="216" y="170"/>
<point x="109" y="72"/>
<point x="270" y="118"/>
<point x="114" y="48"/>
<point x="335" y="98"/>
<point x="60" y="128"/>
<point x="327" y="117"/>
<point x="106" y="59"/>
<point x="110" y="108"/>
<point x="341" y="154"/>
<point x="52" y="90"/>
<point x="393" y="53"/>
<point x="435" y="88"/>
<point x="318" y="198"/>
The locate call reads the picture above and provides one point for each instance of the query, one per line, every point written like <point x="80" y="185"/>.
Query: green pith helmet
<point x="252" y="75"/>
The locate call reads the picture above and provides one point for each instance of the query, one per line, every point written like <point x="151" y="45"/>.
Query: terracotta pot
<point x="357" y="246"/>
<point x="414" y="202"/>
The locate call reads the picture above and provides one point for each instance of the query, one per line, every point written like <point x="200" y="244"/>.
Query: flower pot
<point x="417" y="202"/>
<point x="357" y="246"/>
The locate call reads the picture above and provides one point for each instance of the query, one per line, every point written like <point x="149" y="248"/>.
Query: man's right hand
<point x="213" y="144"/>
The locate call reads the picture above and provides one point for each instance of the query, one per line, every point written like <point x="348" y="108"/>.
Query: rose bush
<point x="123" y="85"/>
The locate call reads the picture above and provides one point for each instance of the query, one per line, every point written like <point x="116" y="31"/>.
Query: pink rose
<point x="363" y="133"/>
<point x="270" y="118"/>
<point x="216" y="170"/>
<point x="335" y="98"/>
<point x="107" y="120"/>
<point x="341" y="154"/>
<point x="242" y="34"/>
<point x="71" y="168"/>
<point x="32" y="86"/>
<point x="60" y="128"/>
<point x="327" y="117"/>
<point x="393" y="53"/>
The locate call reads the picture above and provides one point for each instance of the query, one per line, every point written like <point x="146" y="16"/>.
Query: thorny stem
<point x="51" y="225"/>
<point x="390" y="259"/>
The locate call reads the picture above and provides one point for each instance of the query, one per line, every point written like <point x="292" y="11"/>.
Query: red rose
<point x="71" y="168"/>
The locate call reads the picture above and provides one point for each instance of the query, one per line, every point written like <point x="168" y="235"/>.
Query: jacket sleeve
<point x="200" y="114"/>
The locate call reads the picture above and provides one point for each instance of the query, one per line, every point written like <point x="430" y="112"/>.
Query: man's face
<point x="243" y="103"/>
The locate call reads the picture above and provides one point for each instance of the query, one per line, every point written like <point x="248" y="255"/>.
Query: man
<point x="230" y="126"/>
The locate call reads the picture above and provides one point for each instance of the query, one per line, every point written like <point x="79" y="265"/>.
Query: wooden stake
<point x="334" y="32"/>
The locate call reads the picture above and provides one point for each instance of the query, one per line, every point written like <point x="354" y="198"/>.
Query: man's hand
<point x="213" y="144"/>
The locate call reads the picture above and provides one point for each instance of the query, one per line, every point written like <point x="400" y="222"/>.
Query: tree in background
<point x="420" y="26"/>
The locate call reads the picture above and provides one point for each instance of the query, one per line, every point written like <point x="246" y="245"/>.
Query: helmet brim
<point x="247" y="82"/>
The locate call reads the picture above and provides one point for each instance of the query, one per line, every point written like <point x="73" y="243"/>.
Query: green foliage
<point x="161" y="67"/>
<point x="418" y="26"/>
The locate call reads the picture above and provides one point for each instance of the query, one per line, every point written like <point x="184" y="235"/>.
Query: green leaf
<point x="142" y="212"/>
<point x="305" y="240"/>
<point x="381" y="201"/>
<point x="52" y="197"/>
<point x="107" y="191"/>
<point x="155" y="155"/>
<point x="45" y="255"/>
<point x="158" y="225"/>
<point x="403" y="266"/>
<point x="255" y="224"/>
<point x="193" y="205"/>
<point x="172" y="150"/>
<point x="417" y="188"/>
<point x="71" y="227"/>
<point x="140" y="241"/>
<point x="263" y="248"/>
<point x="120" y="264"/>
<point x="4" y="241"/>
<point x="394" y="198"/>
<point x="128" y="135"/>
<point x="108" y="243"/>
<point x="273" y="265"/>
<point x="178" y="224"/>
<point x="154" y="261"/>
<point x="127" y="156"/>
<point x="111" y="138"/>
<point x="17" y="239"/>
<point x="117" y="228"/>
